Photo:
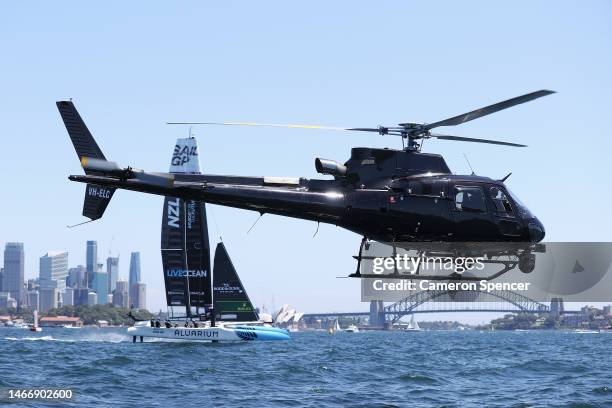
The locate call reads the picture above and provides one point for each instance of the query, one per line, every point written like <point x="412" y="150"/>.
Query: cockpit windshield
<point x="522" y="207"/>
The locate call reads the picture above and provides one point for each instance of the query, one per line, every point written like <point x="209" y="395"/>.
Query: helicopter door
<point x="472" y="220"/>
<point x="504" y="214"/>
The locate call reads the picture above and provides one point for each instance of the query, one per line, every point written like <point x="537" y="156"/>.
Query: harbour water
<point x="314" y="369"/>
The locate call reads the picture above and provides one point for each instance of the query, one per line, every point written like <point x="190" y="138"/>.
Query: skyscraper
<point x="49" y="299"/>
<point x="54" y="267"/>
<point x="134" y="277"/>
<point x="91" y="263"/>
<point x="5" y="299"/>
<point x="34" y="299"/>
<point x="12" y="277"/>
<point x="120" y="294"/>
<point x="92" y="298"/>
<point x="76" y="277"/>
<point x="99" y="285"/>
<point x="80" y="296"/>
<point x="112" y="270"/>
<point x="140" y="289"/>
<point x="134" y="267"/>
<point x="68" y="298"/>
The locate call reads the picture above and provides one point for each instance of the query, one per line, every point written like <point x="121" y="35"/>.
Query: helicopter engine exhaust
<point x="325" y="166"/>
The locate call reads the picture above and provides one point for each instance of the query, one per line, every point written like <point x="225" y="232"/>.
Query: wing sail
<point x="185" y="246"/>
<point x="231" y="301"/>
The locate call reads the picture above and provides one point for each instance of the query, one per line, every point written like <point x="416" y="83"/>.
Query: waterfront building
<point x="99" y="284"/>
<point x="60" y="321"/>
<point x="34" y="299"/>
<point x="14" y="265"/>
<point x="54" y="267"/>
<point x="102" y="323"/>
<point x="49" y="299"/>
<point x="91" y="262"/>
<point x="92" y="298"/>
<point x="112" y="270"/>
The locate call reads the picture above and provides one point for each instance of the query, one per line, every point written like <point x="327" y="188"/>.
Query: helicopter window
<point x="502" y="204"/>
<point x="470" y="199"/>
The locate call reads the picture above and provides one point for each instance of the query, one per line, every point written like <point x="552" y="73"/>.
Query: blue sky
<point x="131" y="66"/>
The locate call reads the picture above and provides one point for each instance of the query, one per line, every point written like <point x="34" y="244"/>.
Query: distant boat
<point x="605" y="330"/>
<point x="35" y="327"/>
<point x="335" y="328"/>
<point x="585" y="331"/>
<point x="413" y="325"/>
<point x="70" y="326"/>
<point x="352" y="329"/>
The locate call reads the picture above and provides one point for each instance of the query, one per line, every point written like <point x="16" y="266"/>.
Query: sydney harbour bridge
<point x="444" y="301"/>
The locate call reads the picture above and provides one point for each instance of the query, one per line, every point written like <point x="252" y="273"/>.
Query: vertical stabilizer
<point x="96" y="197"/>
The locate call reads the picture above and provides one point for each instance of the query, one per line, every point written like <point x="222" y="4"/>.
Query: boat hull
<point x="239" y="333"/>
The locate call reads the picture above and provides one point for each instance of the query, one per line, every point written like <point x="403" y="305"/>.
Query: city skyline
<point x="59" y="283"/>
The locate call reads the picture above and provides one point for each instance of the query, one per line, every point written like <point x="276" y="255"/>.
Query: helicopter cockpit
<point x="508" y="206"/>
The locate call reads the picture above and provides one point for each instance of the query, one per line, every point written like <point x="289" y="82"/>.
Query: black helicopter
<point x="381" y="194"/>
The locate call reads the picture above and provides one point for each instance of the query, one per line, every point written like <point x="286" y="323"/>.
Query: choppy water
<point x="452" y="369"/>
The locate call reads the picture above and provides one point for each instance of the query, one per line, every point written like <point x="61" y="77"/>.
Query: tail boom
<point x="328" y="207"/>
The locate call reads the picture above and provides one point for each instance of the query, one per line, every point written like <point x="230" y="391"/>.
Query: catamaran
<point x="202" y="306"/>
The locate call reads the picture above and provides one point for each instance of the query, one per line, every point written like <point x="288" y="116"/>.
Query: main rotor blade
<point x="261" y="124"/>
<point x="382" y="130"/>
<point x="487" y="110"/>
<point x="471" y="139"/>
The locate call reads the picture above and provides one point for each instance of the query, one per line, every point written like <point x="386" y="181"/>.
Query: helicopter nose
<point x="536" y="230"/>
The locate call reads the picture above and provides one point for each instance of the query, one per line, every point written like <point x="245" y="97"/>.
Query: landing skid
<point x="522" y="255"/>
